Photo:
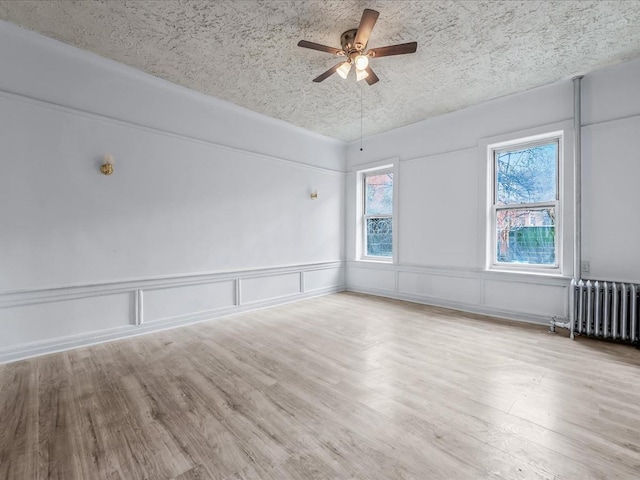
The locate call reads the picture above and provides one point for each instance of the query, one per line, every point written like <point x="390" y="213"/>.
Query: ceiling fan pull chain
<point x="360" y="117"/>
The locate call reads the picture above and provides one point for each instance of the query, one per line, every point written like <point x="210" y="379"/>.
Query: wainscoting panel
<point x="41" y="321"/>
<point x="529" y="298"/>
<point x="262" y="288"/>
<point x="37" y="322"/>
<point x="458" y="289"/>
<point x="169" y="303"/>
<point x="322" y="279"/>
<point x="517" y="296"/>
<point x="375" y="276"/>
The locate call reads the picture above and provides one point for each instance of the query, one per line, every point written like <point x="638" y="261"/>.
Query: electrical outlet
<point x="585" y="266"/>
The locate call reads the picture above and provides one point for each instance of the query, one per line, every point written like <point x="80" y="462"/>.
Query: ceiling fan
<point x="354" y="43"/>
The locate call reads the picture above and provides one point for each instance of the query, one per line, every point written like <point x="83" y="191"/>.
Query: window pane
<point x="379" y="236"/>
<point x="526" y="236"/>
<point x="379" y="194"/>
<point x="527" y="175"/>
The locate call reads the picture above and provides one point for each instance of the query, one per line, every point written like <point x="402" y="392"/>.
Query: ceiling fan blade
<point x="399" y="49"/>
<point x="322" y="48"/>
<point x="328" y="73"/>
<point x="372" y="77"/>
<point x="367" y="22"/>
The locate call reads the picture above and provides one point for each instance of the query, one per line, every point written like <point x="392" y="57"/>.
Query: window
<point x="377" y="214"/>
<point x="525" y="204"/>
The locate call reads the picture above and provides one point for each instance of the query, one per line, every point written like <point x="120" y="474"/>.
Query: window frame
<point x="364" y="217"/>
<point x="355" y="209"/>
<point x="493" y="151"/>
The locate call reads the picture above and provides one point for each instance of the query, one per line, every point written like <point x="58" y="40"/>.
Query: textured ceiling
<point x="245" y="51"/>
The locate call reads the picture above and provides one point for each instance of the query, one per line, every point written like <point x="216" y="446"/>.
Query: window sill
<point x="375" y="260"/>
<point x="554" y="273"/>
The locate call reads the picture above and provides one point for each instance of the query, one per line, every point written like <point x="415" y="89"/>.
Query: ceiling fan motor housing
<point x="348" y="42"/>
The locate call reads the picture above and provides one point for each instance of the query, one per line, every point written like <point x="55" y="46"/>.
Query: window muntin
<point x="378" y="214"/>
<point x="525" y="205"/>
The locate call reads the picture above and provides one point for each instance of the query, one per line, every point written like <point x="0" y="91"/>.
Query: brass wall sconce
<point x="107" y="167"/>
<point x="314" y="195"/>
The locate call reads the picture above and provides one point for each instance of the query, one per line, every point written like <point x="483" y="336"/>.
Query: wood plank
<point x="19" y="420"/>
<point x="345" y="386"/>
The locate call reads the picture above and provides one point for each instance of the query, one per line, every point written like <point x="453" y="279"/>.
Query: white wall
<point x="611" y="160"/>
<point x="208" y="211"/>
<point x="442" y="183"/>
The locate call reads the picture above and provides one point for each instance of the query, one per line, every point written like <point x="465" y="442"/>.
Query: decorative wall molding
<point x="66" y="292"/>
<point x="614" y="121"/>
<point x="465" y="272"/>
<point x="465" y="289"/>
<point x="463" y="307"/>
<point x="440" y="155"/>
<point x="139" y="307"/>
<point x="17" y="308"/>
<point x="155" y="130"/>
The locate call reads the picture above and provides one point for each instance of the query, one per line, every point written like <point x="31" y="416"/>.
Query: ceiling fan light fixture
<point x="361" y="74"/>
<point x="344" y="69"/>
<point x="354" y="43"/>
<point x="362" y="62"/>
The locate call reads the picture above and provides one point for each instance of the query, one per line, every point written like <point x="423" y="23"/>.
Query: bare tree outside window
<point x="525" y="204"/>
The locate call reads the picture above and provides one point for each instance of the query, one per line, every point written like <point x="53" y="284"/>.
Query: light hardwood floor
<point x="345" y="386"/>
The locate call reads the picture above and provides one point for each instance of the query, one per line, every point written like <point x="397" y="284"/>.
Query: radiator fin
<point x="606" y="309"/>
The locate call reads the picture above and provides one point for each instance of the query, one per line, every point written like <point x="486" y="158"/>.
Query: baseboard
<point x="462" y="307"/>
<point x="47" y="320"/>
<point x="68" y="343"/>
<point x="48" y="346"/>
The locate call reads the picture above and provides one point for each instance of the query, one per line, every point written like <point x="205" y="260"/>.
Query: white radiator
<point x="606" y="309"/>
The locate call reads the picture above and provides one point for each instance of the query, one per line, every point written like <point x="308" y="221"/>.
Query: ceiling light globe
<point x="362" y="62"/>
<point x="344" y="69"/>
<point x="361" y="75"/>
